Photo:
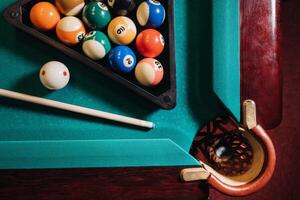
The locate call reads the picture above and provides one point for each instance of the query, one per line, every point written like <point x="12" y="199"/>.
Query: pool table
<point x="42" y="144"/>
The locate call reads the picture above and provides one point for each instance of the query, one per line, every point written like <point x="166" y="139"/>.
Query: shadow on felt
<point x="203" y="101"/>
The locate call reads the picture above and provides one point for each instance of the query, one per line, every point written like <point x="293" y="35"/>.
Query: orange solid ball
<point x="44" y="16"/>
<point x="150" y="43"/>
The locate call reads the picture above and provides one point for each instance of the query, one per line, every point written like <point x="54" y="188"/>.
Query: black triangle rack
<point x="163" y="95"/>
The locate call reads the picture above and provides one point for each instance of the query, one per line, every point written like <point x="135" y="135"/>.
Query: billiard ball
<point x="70" y="30"/>
<point x="122" y="30"/>
<point x="44" y="16"/>
<point x="150" y="43"/>
<point x="96" y="45"/>
<point x="149" y="72"/>
<point x="96" y="15"/>
<point x="122" y="59"/>
<point x="54" y="75"/>
<point x="70" y="7"/>
<point x="121" y="7"/>
<point x="151" y="13"/>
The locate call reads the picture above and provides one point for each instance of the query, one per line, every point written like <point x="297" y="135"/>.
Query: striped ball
<point x="70" y="30"/>
<point x="70" y="7"/>
<point x="121" y="30"/>
<point x="149" y="72"/>
<point x="96" y="45"/>
<point x="151" y="13"/>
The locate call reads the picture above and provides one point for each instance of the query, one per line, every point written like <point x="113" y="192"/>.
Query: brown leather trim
<point x="261" y="180"/>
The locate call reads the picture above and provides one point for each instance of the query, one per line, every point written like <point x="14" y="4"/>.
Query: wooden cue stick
<point x="76" y="109"/>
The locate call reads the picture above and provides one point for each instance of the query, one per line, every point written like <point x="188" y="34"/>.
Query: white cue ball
<point x="54" y="75"/>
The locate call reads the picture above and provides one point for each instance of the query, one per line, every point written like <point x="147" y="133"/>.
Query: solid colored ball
<point x="70" y="7"/>
<point x="122" y="59"/>
<point x="122" y="30"/>
<point x="150" y="43"/>
<point x="96" y="45"/>
<point x="54" y="75"/>
<point x="151" y="13"/>
<point x="96" y="15"/>
<point x="44" y="16"/>
<point x="70" y="30"/>
<point x="149" y="72"/>
<point x="121" y="7"/>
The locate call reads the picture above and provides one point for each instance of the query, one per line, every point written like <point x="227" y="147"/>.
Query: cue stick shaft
<point x="75" y="108"/>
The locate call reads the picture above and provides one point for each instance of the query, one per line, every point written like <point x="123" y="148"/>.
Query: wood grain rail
<point x="105" y="183"/>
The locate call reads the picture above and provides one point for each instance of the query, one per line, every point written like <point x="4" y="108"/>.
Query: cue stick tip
<point x="153" y="125"/>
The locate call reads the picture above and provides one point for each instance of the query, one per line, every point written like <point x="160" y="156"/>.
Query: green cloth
<point x="36" y="137"/>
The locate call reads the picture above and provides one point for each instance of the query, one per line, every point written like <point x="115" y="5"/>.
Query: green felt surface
<point x="226" y="57"/>
<point x="38" y="135"/>
<point x="93" y="153"/>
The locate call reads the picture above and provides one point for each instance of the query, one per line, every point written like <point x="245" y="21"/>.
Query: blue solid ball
<point x="122" y="59"/>
<point x="151" y="13"/>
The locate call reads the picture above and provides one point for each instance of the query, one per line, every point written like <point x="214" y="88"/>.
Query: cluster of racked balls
<point x="121" y="30"/>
